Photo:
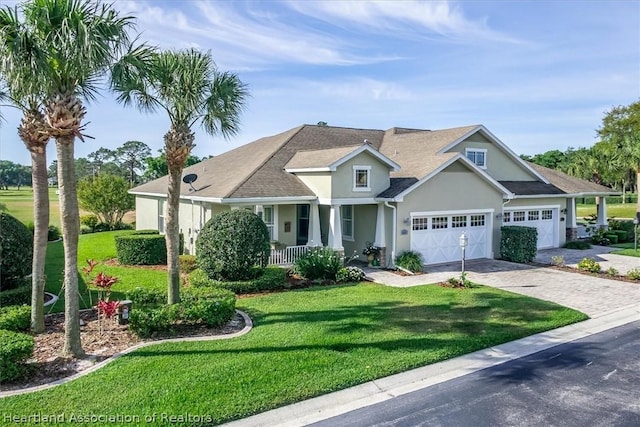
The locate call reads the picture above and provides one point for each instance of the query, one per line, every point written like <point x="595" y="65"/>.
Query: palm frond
<point x="226" y="101"/>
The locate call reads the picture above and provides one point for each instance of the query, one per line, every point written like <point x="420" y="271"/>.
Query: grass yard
<point x="19" y="203"/>
<point x="618" y="210"/>
<point x="626" y="249"/>
<point x="100" y="247"/>
<point x="304" y="343"/>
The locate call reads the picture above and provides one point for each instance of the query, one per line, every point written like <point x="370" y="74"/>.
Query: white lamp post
<point x="464" y="241"/>
<point x="635" y="233"/>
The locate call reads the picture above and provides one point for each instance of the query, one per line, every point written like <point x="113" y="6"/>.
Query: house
<point x="399" y="189"/>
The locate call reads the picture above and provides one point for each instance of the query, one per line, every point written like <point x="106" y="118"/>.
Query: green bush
<point x="208" y="306"/>
<point x="53" y="233"/>
<point x="90" y="221"/>
<point x="598" y="237"/>
<point x="18" y="295"/>
<point x="188" y="263"/>
<point x="589" y="264"/>
<point x="613" y="238"/>
<point x="272" y="278"/>
<point x="233" y="245"/>
<point x="16" y="251"/>
<point x="318" y="264"/>
<point x="350" y="274"/>
<point x="141" y="249"/>
<point x="15" y="348"/>
<point x="578" y="244"/>
<point x="146" y="296"/>
<point x="15" y="318"/>
<point x="410" y="260"/>
<point x="518" y="244"/>
<point x="146" y="321"/>
<point x="622" y="235"/>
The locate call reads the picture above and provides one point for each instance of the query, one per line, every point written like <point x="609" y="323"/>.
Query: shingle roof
<point x="529" y="188"/>
<point x="570" y="184"/>
<point x="397" y="186"/>
<point x="319" y="158"/>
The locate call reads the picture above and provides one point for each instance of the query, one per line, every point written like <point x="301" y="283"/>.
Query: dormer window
<point x="362" y="178"/>
<point x="477" y="156"/>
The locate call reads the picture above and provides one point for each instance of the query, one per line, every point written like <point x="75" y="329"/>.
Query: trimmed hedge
<point x="15" y="318"/>
<point x="207" y="306"/>
<point x="518" y="244"/>
<point x="144" y="247"/>
<point x="623" y="236"/>
<point x="15" y="348"/>
<point x="233" y="245"/>
<point x="145" y="296"/>
<point x="272" y="278"/>
<point x="16" y="251"/>
<point x="578" y="244"/>
<point x="613" y="238"/>
<point x="17" y="296"/>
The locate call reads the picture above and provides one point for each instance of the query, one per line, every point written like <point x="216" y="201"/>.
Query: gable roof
<point x="329" y="159"/>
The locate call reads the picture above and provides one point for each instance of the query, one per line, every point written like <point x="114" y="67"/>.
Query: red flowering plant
<point x="103" y="282"/>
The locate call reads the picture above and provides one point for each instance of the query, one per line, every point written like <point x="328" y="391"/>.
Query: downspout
<point x="393" y="236"/>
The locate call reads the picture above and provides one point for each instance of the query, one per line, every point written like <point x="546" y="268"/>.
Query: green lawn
<point x="99" y="247"/>
<point x="19" y="203"/>
<point x="626" y="249"/>
<point x="304" y="343"/>
<point x="618" y="210"/>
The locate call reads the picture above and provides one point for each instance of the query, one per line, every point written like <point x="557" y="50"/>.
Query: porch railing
<point x="288" y="255"/>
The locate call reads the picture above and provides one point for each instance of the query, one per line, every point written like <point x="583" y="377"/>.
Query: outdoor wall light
<point x="464" y="242"/>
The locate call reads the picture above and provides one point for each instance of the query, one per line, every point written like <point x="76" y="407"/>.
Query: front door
<point x="302" y="233"/>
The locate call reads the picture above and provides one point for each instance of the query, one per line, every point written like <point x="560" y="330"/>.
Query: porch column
<point x="381" y="238"/>
<point x="572" y="225"/>
<point x="314" y="235"/>
<point x="335" y="228"/>
<point x="602" y="213"/>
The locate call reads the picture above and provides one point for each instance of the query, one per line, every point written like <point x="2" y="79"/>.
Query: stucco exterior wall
<point x="342" y="179"/>
<point x="147" y="212"/>
<point x="364" y="230"/>
<point x="318" y="182"/>
<point x="287" y="213"/>
<point x="499" y="165"/>
<point x="453" y="189"/>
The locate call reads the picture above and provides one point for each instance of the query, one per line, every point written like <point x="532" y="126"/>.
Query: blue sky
<point x="538" y="74"/>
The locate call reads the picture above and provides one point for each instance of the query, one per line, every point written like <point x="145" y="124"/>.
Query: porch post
<point x="381" y="238"/>
<point x="572" y="225"/>
<point x="314" y="235"/>
<point x="602" y="213"/>
<point x="335" y="228"/>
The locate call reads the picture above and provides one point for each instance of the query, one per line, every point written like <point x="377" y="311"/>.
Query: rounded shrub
<point x="350" y="274"/>
<point x="15" y="318"/>
<point x="233" y="245"/>
<point x="16" y="251"/>
<point x="15" y="348"/>
<point x="318" y="264"/>
<point x="19" y="295"/>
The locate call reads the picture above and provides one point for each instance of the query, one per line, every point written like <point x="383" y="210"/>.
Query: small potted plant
<point x="372" y="252"/>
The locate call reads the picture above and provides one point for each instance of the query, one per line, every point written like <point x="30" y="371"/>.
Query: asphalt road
<point x="594" y="381"/>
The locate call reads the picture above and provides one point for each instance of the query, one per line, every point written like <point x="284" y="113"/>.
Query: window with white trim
<point x="458" y="221"/>
<point x="477" y="156"/>
<point x="547" y="214"/>
<point x="266" y="214"/>
<point x="420" y="223"/>
<point x="439" y="222"/>
<point x="162" y="204"/>
<point x="518" y="216"/>
<point x="347" y="222"/>
<point x="361" y="178"/>
<point x="533" y="215"/>
<point x="506" y="217"/>
<point x="477" y="220"/>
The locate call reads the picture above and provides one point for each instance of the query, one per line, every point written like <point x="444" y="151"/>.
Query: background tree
<point x="131" y="155"/>
<point x="621" y="127"/>
<point x="553" y="159"/>
<point x="99" y="157"/>
<point x="156" y="167"/>
<point x="106" y="196"/>
<point x="74" y="43"/>
<point x="188" y="87"/>
<point x="14" y="175"/>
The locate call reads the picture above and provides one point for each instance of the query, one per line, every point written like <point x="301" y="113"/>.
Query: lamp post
<point x="635" y="234"/>
<point x="464" y="241"/>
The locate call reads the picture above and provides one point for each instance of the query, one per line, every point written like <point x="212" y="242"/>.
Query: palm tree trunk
<point x="41" y="231"/>
<point x="70" y="230"/>
<point x="172" y="235"/>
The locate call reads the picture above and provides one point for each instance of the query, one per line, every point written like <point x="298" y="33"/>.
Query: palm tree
<point x="24" y="91"/>
<point x="189" y="88"/>
<point x="74" y="43"/>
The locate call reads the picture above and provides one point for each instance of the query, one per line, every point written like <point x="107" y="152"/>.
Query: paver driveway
<point x="588" y="294"/>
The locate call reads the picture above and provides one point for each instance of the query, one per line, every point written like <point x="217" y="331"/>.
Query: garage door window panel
<point x="547" y="214"/>
<point x="519" y="216"/>
<point x="420" y="224"/>
<point x="459" y="221"/>
<point x="439" y="223"/>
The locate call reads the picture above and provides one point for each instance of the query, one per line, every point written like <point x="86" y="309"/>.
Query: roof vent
<point x="366" y="141"/>
<point x="190" y="179"/>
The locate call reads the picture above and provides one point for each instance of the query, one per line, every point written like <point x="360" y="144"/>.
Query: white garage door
<point x="545" y="220"/>
<point x="437" y="237"/>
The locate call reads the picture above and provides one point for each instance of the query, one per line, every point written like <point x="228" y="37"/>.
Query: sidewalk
<point x="340" y="402"/>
